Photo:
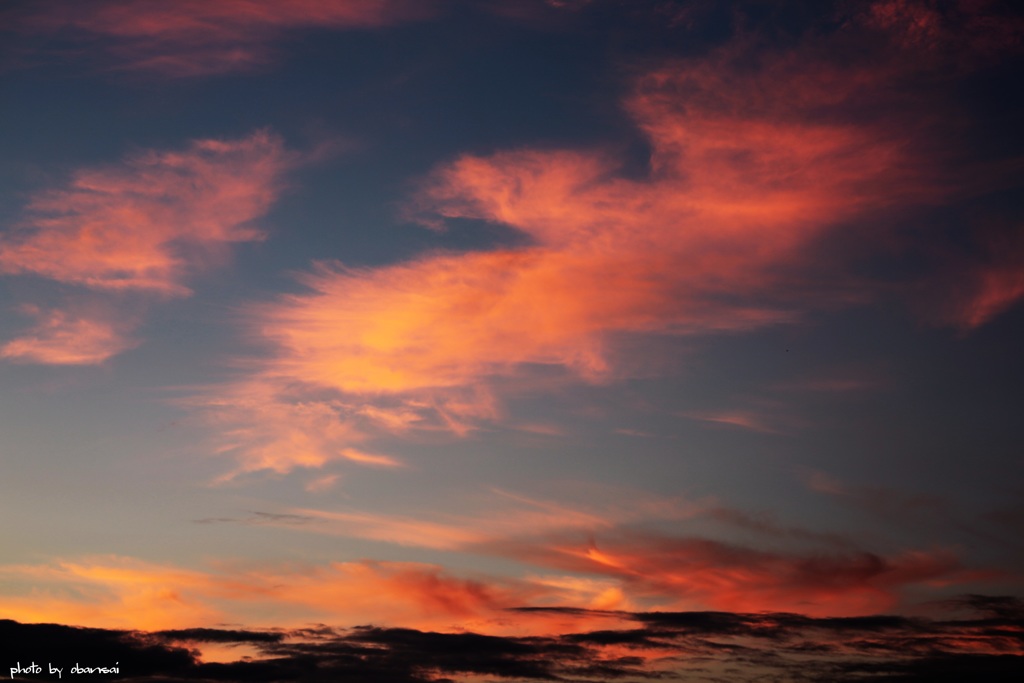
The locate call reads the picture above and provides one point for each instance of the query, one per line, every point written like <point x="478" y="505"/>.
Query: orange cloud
<point x="365" y="458"/>
<point x="694" y="573"/>
<point x="506" y="516"/>
<point x="622" y="567"/>
<point x="183" y="38"/>
<point x="753" y="163"/>
<point x="742" y="179"/>
<point x="405" y="531"/>
<point x="144" y="225"/>
<point x="110" y="592"/>
<point x="139" y="230"/>
<point x="578" y="557"/>
<point x="742" y="419"/>
<point x="324" y="483"/>
<point x="63" y="338"/>
<point x="122" y="592"/>
<point x="269" y="429"/>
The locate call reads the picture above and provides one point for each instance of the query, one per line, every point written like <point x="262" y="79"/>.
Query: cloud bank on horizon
<point x="973" y="640"/>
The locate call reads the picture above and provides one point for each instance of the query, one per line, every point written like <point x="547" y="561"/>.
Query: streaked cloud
<point x="373" y="459"/>
<point x="146" y="224"/>
<point x="124" y="592"/>
<point x="190" y="38"/>
<point x="742" y="178"/>
<point x="684" y="573"/>
<point x="134" y="233"/>
<point x="110" y="592"/>
<point x="753" y="165"/>
<point x="666" y="554"/>
<point x="267" y="430"/>
<point x="503" y="516"/>
<point x="557" y="434"/>
<point x="741" y="419"/>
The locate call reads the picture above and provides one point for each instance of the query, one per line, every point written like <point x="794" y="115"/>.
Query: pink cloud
<point x="373" y="459"/>
<point x="188" y="38"/>
<point x="268" y="429"/>
<point x="506" y="515"/>
<point x="733" y="197"/>
<point x="146" y="224"/>
<point x="66" y="338"/>
<point x="695" y="249"/>
<point x="742" y="419"/>
<point x="991" y="285"/>
<point x="136" y="230"/>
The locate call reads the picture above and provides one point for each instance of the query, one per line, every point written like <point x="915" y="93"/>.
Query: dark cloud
<point x="939" y="669"/>
<point x="65" y="646"/>
<point x="215" y="635"/>
<point x="986" y="644"/>
<point x="1001" y="606"/>
<point x="257" y="517"/>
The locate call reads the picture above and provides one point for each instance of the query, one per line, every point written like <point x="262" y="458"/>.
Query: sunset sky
<point x="508" y="340"/>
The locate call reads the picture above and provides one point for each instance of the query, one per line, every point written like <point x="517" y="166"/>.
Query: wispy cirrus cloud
<point x="683" y="573"/>
<point x="986" y="286"/>
<point x="62" y="337"/>
<point x="624" y="554"/>
<point x="189" y="38"/>
<point x="140" y="229"/>
<point x="146" y="224"/>
<point x="753" y="165"/>
<point x="740" y="419"/>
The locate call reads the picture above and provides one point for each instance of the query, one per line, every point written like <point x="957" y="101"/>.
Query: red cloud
<point x="277" y="434"/>
<point x="740" y="183"/>
<point x="123" y="592"/>
<point x="955" y="34"/>
<point x="754" y="164"/>
<point x="607" y="560"/>
<point x="998" y="288"/>
<point x="144" y="225"/>
<point x="140" y="228"/>
<point x="988" y="287"/>
<point x="63" y="338"/>
<point x="732" y="198"/>
<point x="182" y="38"/>
<point x="696" y="573"/>
<point x="596" y="557"/>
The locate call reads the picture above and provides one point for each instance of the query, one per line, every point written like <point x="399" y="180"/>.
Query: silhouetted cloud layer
<point x="980" y="638"/>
